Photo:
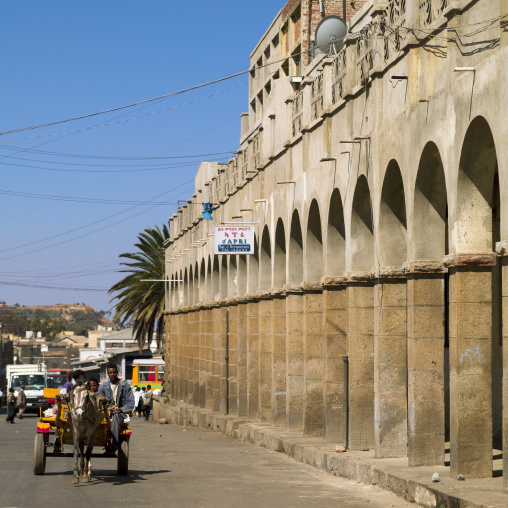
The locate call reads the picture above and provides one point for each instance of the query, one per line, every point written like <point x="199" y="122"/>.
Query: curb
<point x="413" y="484"/>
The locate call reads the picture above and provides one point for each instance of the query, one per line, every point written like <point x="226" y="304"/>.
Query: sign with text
<point x="233" y="240"/>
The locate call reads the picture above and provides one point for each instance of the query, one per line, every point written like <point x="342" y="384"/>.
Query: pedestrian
<point x="93" y="385"/>
<point x="11" y="410"/>
<point x="140" y="402"/>
<point x="148" y="402"/>
<point x="137" y="396"/>
<point x="21" y="402"/>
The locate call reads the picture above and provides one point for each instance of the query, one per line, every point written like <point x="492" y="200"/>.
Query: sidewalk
<point x="411" y="483"/>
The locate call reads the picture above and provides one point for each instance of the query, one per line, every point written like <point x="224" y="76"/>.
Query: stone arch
<point x="314" y="244"/>
<point x="253" y="268"/>
<point x="202" y="281"/>
<point x="476" y="186"/>
<point x="295" y="267"/>
<point x="215" y="277"/>
<point x="265" y="261"/>
<point x="224" y="277"/>
<point x="336" y="236"/>
<point x="279" y="256"/>
<point x="362" y="228"/>
<point x="430" y="212"/>
<point x="476" y="230"/>
<point x="392" y="219"/>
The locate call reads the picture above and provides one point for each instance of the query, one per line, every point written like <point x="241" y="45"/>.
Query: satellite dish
<point x="329" y="36"/>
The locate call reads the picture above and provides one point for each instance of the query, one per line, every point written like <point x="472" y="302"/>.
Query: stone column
<point x="314" y="363"/>
<point x="183" y="356"/>
<point x="426" y="363"/>
<point x="173" y="367"/>
<point x="361" y="362"/>
<point x="202" y="358"/>
<point x="470" y="364"/>
<point x="502" y="250"/>
<point x="195" y="358"/>
<point x="216" y="357"/>
<point x="279" y="361"/>
<point x="233" y="359"/>
<point x="253" y="359"/>
<point x="390" y="364"/>
<point x="167" y="354"/>
<point x="242" y="404"/>
<point x="335" y="347"/>
<point x="265" y="360"/>
<point x="223" y="353"/>
<point x="295" y="326"/>
<point x="209" y="360"/>
<point x="190" y="356"/>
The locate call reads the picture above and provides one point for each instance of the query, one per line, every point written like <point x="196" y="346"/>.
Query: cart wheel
<point x="39" y="461"/>
<point x="122" y="467"/>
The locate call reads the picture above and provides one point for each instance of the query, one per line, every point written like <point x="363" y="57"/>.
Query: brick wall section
<point x="311" y="17"/>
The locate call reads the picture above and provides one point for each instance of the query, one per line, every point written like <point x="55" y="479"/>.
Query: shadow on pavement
<point x="111" y="477"/>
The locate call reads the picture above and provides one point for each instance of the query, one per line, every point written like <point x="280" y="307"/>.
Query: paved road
<point x="177" y="467"/>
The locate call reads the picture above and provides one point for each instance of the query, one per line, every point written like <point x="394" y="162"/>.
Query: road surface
<point x="177" y="467"/>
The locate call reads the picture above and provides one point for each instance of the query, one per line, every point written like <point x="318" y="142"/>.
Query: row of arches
<point x="293" y="252"/>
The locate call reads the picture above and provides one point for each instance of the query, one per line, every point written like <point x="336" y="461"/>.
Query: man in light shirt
<point x="119" y="394"/>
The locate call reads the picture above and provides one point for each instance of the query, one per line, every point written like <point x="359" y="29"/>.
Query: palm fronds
<point x="138" y="300"/>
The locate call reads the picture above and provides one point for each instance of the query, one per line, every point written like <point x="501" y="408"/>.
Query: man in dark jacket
<point x="119" y="394"/>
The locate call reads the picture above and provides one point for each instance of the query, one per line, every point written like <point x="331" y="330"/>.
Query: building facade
<point x="374" y="309"/>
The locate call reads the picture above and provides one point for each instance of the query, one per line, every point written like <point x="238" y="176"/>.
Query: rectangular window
<point x="160" y="373"/>
<point x="146" y="373"/>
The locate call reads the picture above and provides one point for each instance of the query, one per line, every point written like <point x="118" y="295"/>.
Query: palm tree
<point x="139" y="300"/>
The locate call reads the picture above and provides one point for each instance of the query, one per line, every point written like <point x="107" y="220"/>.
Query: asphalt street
<point x="178" y="467"/>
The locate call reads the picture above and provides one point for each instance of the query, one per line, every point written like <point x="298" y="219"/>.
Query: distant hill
<point x="52" y="319"/>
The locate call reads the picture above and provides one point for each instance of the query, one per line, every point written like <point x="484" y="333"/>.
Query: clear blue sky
<point x="63" y="59"/>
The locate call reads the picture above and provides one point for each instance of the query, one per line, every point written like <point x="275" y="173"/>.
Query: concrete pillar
<point x="314" y="363"/>
<point x="209" y="360"/>
<point x="279" y="361"/>
<point x="216" y="357"/>
<point x="233" y="359"/>
<point x="335" y="347"/>
<point x="242" y="398"/>
<point x="265" y="360"/>
<point x="295" y="326"/>
<point x="426" y="364"/>
<point x="470" y="365"/>
<point x="253" y="359"/>
<point x="361" y="363"/>
<point x="390" y="366"/>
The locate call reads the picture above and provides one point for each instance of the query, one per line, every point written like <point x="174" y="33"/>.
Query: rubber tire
<point x="39" y="461"/>
<point x="122" y="467"/>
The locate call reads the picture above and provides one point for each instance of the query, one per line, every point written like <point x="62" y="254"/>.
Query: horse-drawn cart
<point x="56" y="432"/>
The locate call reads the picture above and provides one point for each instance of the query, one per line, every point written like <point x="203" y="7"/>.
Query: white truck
<point x="33" y="378"/>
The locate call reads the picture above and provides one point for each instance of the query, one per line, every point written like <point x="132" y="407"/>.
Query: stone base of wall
<point x="394" y="475"/>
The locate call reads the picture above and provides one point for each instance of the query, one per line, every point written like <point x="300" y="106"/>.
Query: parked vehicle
<point x="148" y="371"/>
<point x="33" y="378"/>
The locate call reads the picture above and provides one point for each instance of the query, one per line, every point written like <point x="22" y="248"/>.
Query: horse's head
<point x="80" y="399"/>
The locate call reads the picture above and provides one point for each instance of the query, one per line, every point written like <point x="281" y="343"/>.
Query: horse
<point x="86" y="416"/>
